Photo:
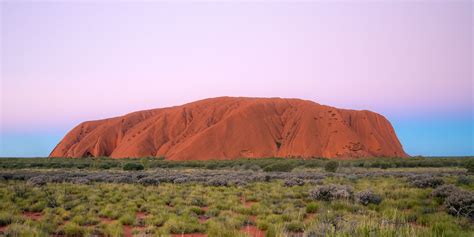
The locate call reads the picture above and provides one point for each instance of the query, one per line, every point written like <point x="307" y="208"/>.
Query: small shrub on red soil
<point x="368" y="197"/>
<point x="331" y="192"/>
<point x="294" y="226"/>
<point x="312" y="207"/>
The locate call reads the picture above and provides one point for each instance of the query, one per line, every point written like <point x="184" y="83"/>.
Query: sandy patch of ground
<point x="106" y="220"/>
<point x="309" y="217"/>
<point x="3" y="228"/>
<point x="33" y="215"/>
<point x="190" y="235"/>
<point x="127" y="231"/>
<point x="141" y="215"/>
<point x="247" y="204"/>
<point x="252" y="231"/>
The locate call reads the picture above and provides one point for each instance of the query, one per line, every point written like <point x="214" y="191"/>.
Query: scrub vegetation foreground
<point x="267" y="197"/>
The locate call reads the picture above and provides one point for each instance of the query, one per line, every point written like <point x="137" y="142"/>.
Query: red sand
<point x="249" y="204"/>
<point x="33" y="215"/>
<point x="235" y="127"/>
<point x="106" y="220"/>
<point x="190" y="235"/>
<point x="127" y="231"/>
<point x="141" y="215"/>
<point x="252" y="231"/>
<point x="202" y="219"/>
<point x="309" y="216"/>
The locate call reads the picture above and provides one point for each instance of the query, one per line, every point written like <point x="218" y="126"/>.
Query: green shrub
<point x="157" y="220"/>
<point x="113" y="229"/>
<point x="279" y="167"/>
<point x="425" y="181"/>
<point x="197" y="210"/>
<point x="331" y="166"/>
<point x="109" y="211"/>
<point x="461" y="203"/>
<point x="212" y="212"/>
<point x="183" y="225"/>
<point x="331" y="192"/>
<point x="218" y="229"/>
<point x="211" y="166"/>
<point x="271" y="231"/>
<point x="79" y="219"/>
<point x="106" y="163"/>
<point x="38" y="206"/>
<point x="127" y="219"/>
<point x="5" y="218"/>
<point x="198" y="201"/>
<point x="19" y="191"/>
<point x="133" y="166"/>
<point x="262" y="225"/>
<point x="19" y="230"/>
<point x="295" y="226"/>
<point x="464" y="180"/>
<point x="368" y="197"/>
<point x="73" y="230"/>
<point x="385" y="165"/>
<point x="105" y="166"/>
<point x="470" y="166"/>
<point x="312" y="207"/>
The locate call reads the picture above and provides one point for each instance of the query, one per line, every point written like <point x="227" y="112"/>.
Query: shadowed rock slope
<point x="234" y="127"/>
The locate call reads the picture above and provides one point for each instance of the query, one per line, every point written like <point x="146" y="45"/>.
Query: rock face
<point x="235" y="127"/>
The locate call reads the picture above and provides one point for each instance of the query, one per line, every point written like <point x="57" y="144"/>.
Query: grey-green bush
<point x="331" y="166"/>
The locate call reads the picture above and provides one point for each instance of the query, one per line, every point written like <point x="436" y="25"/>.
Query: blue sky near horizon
<point x="62" y="63"/>
<point x="420" y="136"/>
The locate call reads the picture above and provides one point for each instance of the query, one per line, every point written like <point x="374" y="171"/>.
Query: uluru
<point x="236" y="127"/>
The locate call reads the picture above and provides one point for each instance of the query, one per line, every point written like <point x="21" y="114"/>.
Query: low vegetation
<point x="133" y="166"/>
<point x="331" y="166"/>
<point x="235" y="200"/>
<point x="268" y="164"/>
<point x="368" y="197"/>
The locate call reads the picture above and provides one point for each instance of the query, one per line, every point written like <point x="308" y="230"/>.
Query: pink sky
<point x="63" y="63"/>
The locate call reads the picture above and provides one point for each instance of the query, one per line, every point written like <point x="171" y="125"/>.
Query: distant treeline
<point x="265" y="164"/>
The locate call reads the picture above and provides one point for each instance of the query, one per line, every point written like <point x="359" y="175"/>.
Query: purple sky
<point x="63" y="63"/>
